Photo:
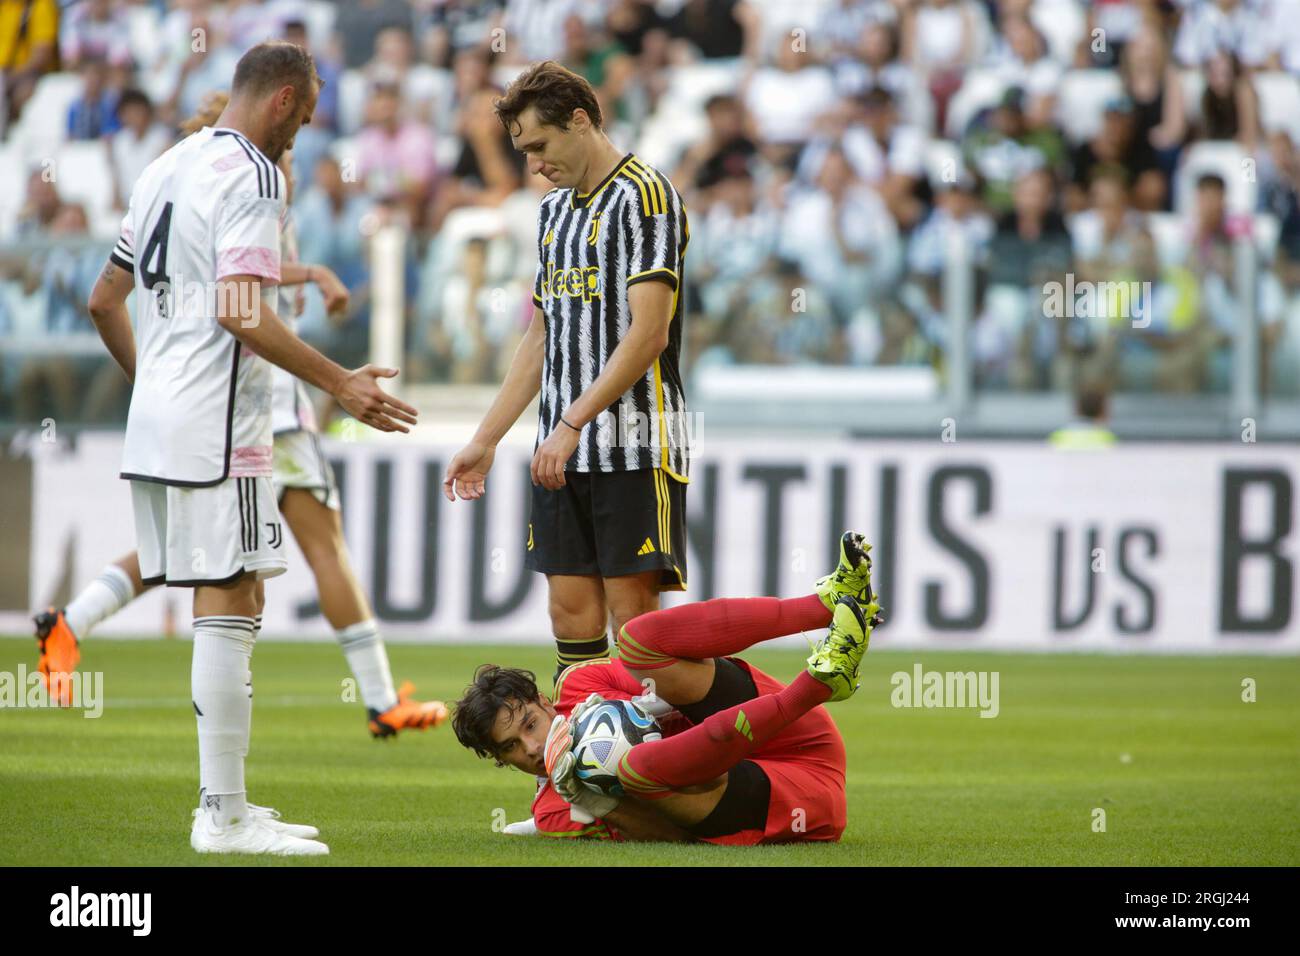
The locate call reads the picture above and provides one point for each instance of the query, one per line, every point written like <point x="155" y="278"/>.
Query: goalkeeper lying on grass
<point x="743" y="759"/>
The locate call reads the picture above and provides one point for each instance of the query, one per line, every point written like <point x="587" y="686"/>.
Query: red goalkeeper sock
<point x="719" y="743"/>
<point x="716" y="628"/>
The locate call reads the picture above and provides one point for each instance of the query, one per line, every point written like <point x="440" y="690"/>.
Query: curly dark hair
<point x="494" y="687"/>
<point x="554" y="90"/>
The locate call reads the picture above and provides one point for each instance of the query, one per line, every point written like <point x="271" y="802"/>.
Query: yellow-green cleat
<point x="852" y="576"/>
<point x="836" y="659"/>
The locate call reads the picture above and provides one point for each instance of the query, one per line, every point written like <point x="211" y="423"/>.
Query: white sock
<point x="368" y="658"/>
<point x="222" y="688"/>
<point x="101" y="598"/>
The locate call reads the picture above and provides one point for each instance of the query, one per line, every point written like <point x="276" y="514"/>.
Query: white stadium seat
<point x="1081" y="101"/>
<point x="1227" y="159"/>
<point x="44" y="123"/>
<point x="981" y="89"/>
<point x="1061" y="22"/>
<point x="1279" y="102"/>
<point x="82" y="175"/>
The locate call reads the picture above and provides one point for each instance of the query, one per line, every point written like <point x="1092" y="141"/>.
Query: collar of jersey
<point x="227" y="131"/>
<point x="583" y="200"/>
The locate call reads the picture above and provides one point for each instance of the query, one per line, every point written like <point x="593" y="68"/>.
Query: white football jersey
<point x="206" y="209"/>
<point x="291" y="408"/>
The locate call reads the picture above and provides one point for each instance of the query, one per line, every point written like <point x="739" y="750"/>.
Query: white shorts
<point x="298" y="462"/>
<point x="193" y="536"/>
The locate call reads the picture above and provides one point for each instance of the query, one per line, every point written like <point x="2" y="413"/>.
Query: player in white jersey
<point x="200" y="238"/>
<point x="308" y="499"/>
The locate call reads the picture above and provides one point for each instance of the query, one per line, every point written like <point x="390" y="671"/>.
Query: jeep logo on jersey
<point x="577" y="282"/>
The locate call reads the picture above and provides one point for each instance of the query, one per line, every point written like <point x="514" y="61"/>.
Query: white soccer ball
<point x="603" y="735"/>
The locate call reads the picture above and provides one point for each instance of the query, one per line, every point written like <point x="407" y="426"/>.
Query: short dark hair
<point x="555" y="92"/>
<point x="494" y="687"/>
<point x="133" y="97"/>
<point x="1211" y="181"/>
<point x="1091" y="400"/>
<point x="272" y="64"/>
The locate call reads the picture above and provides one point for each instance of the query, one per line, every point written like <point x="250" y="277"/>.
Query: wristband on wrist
<point x="571" y="426"/>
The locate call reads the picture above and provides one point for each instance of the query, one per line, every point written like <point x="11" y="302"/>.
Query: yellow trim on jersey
<point x="639" y="276"/>
<point x="572" y="667"/>
<point x="660" y="199"/>
<point x="588" y="197"/>
<point x="596" y="830"/>
<point x="641" y="184"/>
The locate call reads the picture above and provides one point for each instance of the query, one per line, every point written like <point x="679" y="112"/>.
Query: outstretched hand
<point x="363" y="399"/>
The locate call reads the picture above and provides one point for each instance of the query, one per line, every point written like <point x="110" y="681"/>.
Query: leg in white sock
<point x="221" y="685"/>
<point x="100" y="599"/>
<point x="368" y="658"/>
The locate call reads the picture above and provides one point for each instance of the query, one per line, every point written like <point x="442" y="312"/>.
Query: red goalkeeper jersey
<point x="804" y="764"/>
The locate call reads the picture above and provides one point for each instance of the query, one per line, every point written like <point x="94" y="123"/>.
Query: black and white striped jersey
<point x="591" y="247"/>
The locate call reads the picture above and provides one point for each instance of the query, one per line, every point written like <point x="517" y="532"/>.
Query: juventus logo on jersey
<point x="594" y="232"/>
<point x="276" y="536"/>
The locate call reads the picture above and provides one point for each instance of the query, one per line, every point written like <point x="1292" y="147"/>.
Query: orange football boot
<point x="59" y="654"/>
<point x="407" y="714"/>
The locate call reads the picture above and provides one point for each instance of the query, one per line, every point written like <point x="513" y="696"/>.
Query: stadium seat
<point x="1169" y="233"/>
<point x="83" y="176"/>
<point x="981" y="89"/>
<point x="44" y="123"/>
<point x="1061" y="22"/>
<point x="13" y="172"/>
<point x="1279" y="102"/>
<point x="353" y="90"/>
<point x="145" y="26"/>
<point x="1223" y="157"/>
<point x="1081" y="101"/>
<point x="320" y="16"/>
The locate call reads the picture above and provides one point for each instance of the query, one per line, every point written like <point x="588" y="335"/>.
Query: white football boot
<point x="272" y="819"/>
<point x="251" y="835"/>
<point x="522" y="828"/>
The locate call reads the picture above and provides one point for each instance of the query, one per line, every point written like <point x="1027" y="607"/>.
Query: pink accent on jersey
<point x="231" y="161"/>
<point x="248" y="260"/>
<point x="250" y="462"/>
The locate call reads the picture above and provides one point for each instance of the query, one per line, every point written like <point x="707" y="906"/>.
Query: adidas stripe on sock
<point x="100" y="599"/>
<point x="368" y="658"/>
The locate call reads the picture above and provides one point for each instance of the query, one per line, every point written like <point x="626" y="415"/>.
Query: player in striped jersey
<point x="308" y="498"/>
<point x="612" y="459"/>
<point x="206" y="219"/>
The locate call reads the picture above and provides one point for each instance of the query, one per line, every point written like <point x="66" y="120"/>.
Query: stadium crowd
<point x="832" y="154"/>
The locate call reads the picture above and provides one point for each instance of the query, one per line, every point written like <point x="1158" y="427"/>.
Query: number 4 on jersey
<point x="153" y="272"/>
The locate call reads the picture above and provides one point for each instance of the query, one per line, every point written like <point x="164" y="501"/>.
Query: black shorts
<point x="610" y="524"/>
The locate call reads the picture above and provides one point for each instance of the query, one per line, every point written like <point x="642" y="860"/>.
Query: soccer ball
<point x="603" y="735"/>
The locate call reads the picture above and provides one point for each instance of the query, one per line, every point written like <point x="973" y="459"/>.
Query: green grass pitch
<point x="1186" y="772"/>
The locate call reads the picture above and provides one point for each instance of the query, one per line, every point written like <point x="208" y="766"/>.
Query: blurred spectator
<point x="480" y="322"/>
<point x="599" y="61"/>
<point x="842" y="236"/>
<point x="96" y="29"/>
<point x="489" y="168"/>
<point x="1090" y="428"/>
<point x="396" y="155"/>
<point x="1155" y="88"/>
<point x="717" y="29"/>
<point x="733" y="242"/>
<point x="844" y="26"/>
<point x="1118" y="149"/>
<point x="29" y="33"/>
<point x="1279" y="194"/>
<point x="1111" y="245"/>
<point x="1012" y="344"/>
<point x="1024" y="62"/>
<point x="94" y="113"/>
<point x="1229" y="105"/>
<point x="40" y="206"/>
<point x="359" y="23"/>
<point x="1001" y="147"/>
<point x="887" y="155"/>
<point x="445" y="26"/>
<point x="136" y="144"/>
<point x="939" y="39"/>
<point x="208" y="66"/>
<point x="788" y="319"/>
<point x="1109" y="27"/>
<point x="873" y="63"/>
<point x="786" y="97"/>
<point x="327" y="68"/>
<point x="422" y="87"/>
<point x="331" y="217"/>
<point x="534" y="29"/>
<point x="1208" y="27"/>
<point x="727" y="149"/>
